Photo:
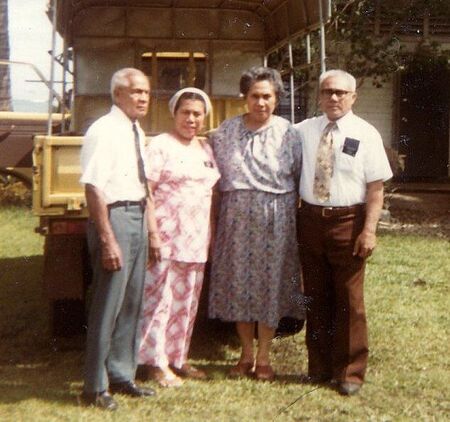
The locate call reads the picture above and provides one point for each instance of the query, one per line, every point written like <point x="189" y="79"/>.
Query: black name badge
<point x="208" y="164"/>
<point x="350" y="146"/>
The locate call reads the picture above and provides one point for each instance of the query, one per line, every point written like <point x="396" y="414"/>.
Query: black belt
<point x="118" y="204"/>
<point x="332" y="211"/>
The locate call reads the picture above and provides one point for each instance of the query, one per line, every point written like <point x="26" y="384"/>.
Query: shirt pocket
<point x="347" y="163"/>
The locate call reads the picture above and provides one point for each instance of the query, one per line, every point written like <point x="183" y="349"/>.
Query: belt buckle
<point x="324" y="211"/>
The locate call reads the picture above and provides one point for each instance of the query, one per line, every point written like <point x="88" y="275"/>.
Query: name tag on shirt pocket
<point x="350" y="146"/>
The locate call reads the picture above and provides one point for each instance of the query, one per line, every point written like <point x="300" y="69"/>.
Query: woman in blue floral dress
<point x="255" y="274"/>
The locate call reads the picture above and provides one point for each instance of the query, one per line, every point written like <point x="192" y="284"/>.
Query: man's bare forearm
<point x="374" y="204"/>
<point x="98" y="212"/>
<point x="366" y="241"/>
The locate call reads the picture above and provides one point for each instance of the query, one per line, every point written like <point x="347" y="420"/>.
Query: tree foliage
<point x="373" y="39"/>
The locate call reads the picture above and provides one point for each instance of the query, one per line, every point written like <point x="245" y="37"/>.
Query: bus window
<point x="174" y="70"/>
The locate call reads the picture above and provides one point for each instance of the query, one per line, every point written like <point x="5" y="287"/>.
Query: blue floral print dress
<point x="255" y="273"/>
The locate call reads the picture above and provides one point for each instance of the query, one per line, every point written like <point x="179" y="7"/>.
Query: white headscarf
<point x="174" y="100"/>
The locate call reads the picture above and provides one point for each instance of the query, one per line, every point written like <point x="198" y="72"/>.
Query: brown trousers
<point x="336" y="330"/>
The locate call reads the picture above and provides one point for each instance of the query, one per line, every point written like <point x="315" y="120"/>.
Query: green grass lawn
<point x="408" y="377"/>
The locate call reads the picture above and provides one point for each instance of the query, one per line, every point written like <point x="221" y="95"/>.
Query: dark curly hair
<point x="261" y="73"/>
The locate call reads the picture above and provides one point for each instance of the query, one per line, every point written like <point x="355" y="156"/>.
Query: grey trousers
<point x="113" y="332"/>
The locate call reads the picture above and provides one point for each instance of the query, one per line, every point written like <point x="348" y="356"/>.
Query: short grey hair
<point x="350" y="79"/>
<point x="261" y="73"/>
<point x="122" y="78"/>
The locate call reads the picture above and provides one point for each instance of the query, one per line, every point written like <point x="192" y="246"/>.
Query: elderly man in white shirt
<point x="114" y="175"/>
<point x="341" y="189"/>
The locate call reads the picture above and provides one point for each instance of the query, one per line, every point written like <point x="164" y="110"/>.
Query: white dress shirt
<point x="352" y="169"/>
<point x="108" y="157"/>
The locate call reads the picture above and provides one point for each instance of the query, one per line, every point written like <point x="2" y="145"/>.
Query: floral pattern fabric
<point x="171" y="294"/>
<point x="267" y="159"/>
<point x="255" y="272"/>
<point x="184" y="178"/>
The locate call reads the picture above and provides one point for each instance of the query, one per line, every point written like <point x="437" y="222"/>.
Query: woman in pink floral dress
<point x="183" y="173"/>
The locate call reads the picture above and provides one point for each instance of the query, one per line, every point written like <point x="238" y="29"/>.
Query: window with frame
<point x="171" y="71"/>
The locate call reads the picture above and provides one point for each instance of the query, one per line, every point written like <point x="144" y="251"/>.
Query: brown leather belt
<point x="327" y="212"/>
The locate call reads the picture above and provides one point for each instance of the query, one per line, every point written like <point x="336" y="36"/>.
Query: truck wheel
<point x="68" y="317"/>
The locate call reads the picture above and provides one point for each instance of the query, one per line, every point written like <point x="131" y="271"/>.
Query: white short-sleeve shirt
<point x="109" y="160"/>
<point x="360" y="158"/>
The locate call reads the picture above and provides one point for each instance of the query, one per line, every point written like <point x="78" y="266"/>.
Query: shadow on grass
<point x="217" y="372"/>
<point x="39" y="371"/>
<point x="41" y="380"/>
<point x="210" y="338"/>
<point x="31" y="365"/>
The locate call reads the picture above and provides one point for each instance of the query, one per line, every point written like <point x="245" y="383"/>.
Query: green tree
<point x="5" y="82"/>
<point x="367" y="38"/>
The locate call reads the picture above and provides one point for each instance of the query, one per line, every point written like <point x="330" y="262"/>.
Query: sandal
<point x="165" y="377"/>
<point x="242" y="369"/>
<point x="189" y="371"/>
<point x="264" y="373"/>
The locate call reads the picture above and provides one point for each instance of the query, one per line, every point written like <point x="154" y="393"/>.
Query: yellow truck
<point x="177" y="43"/>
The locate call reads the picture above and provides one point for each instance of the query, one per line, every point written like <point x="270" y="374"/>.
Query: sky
<point x="30" y="37"/>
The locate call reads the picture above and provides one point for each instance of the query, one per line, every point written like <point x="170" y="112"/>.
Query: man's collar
<point x="341" y="122"/>
<point x="118" y="112"/>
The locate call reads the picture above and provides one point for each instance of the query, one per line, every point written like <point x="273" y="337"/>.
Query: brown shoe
<point x="189" y="371"/>
<point x="264" y="373"/>
<point x="242" y="369"/>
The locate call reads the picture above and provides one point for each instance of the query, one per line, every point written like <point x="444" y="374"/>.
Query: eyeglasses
<point x="330" y="92"/>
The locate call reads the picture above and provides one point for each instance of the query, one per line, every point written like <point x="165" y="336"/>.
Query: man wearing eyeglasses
<point x="341" y="187"/>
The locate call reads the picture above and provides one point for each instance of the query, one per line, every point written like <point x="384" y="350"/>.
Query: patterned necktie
<point x="324" y="164"/>
<point x="140" y="162"/>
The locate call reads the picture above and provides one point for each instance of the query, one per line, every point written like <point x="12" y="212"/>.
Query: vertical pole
<point x="52" y="71"/>
<point x="322" y="39"/>
<point x="64" y="86"/>
<point x="308" y="48"/>
<point x="265" y="60"/>
<point x="155" y="120"/>
<point x="291" y="81"/>
<point x="305" y="92"/>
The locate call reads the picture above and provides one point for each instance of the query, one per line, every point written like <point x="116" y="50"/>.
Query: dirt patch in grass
<point x="14" y="192"/>
<point x="424" y="213"/>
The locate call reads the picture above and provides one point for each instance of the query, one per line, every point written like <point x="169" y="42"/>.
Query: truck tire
<point x="68" y="317"/>
<point x="66" y="276"/>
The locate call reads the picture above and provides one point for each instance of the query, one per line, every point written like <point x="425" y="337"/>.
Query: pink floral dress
<point x="184" y="177"/>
